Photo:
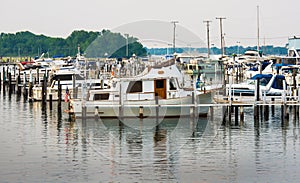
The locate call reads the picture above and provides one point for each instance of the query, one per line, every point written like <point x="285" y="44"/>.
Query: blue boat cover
<point x="260" y="76"/>
<point x="277" y="84"/>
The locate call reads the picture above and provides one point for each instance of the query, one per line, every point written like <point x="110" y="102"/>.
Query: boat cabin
<point x="165" y="83"/>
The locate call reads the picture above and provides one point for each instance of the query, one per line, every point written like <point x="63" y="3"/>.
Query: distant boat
<point x="159" y="91"/>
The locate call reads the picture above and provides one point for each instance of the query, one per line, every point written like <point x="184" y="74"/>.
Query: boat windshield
<point x="262" y="81"/>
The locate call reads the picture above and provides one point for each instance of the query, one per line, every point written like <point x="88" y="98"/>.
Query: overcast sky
<point x="58" y="18"/>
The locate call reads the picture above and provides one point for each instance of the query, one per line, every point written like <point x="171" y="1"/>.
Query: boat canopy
<point x="260" y="76"/>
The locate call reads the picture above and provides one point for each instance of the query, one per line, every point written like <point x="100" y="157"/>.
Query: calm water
<point x="44" y="146"/>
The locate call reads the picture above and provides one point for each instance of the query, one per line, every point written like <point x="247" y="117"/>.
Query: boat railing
<point x="164" y="64"/>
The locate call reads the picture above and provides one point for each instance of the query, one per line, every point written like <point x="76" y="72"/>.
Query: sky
<point x="278" y="19"/>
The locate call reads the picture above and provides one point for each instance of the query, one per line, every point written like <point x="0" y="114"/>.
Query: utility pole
<point x="174" y="34"/>
<point x="222" y="36"/>
<point x="208" y="44"/>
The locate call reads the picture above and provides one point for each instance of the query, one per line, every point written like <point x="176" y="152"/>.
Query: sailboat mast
<point x="258" y="29"/>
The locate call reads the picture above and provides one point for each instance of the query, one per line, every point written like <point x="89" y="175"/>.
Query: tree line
<point x="232" y="50"/>
<point x="98" y="44"/>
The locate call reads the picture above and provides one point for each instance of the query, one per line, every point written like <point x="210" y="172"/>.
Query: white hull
<point x="175" y="107"/>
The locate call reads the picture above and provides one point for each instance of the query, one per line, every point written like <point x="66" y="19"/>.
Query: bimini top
<point x="260" y="76"/>
<point x="266" y="78"/>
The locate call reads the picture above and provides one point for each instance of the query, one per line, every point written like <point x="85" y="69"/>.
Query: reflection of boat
<point x="269" y="84"/>
<point x="158" y="91"/>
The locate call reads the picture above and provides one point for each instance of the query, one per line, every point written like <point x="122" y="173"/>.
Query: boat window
<point x="101" y="96"/>
<point x="264" y="82"/>
<point x="135" y="86"/>
<point x="278" y="83"/>
<point x="292" y="53"/>
<point x="172" y="84"/>
<point x="160" y="83"/>
<point x="63" y="77"/>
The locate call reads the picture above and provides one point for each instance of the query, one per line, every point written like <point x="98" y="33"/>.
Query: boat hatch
<point x="160" y="88"/>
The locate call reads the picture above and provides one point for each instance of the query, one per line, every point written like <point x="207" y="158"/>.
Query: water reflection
<point x="40" y="144"/>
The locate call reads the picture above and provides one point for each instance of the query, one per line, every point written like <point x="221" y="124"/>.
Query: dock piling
<point x="141" y="111"/>
<point x="241" y="115"/>
<point x="50" y="101"/>
<point x="236" y="114"/>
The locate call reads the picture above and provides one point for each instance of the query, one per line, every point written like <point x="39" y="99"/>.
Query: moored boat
<point x="160" y="90"/>
<point x="268" y="83"/>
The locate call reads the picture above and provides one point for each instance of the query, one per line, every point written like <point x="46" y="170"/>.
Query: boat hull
<point x="175" y="107"/>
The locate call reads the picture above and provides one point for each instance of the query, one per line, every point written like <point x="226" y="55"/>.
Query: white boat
<point x="260" y="68"/>
<point x="69" y="79"/>
<point x="268" y="83"/>
<point x="159" y="91"/>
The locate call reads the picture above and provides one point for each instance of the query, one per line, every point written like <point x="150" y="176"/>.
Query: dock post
<point x="266" y="112"/>
<point x="15" y="72"/>
<point x="9" y="83"/>
<point x="273" y="106"/>
<point x="44" y="90"/>
<point x="30" y="87"/>
<point x="229" y="114"/>
<point x="257" y="90"/>
<point x="256" y="115"/>
<point x="50" y="101"/>
<point x="156" y="107"/>
<point x="25" y="93"/>
<point x="282" y="113"/>
<point x="241" y="115"/>
<point x="211" y="108"/>
<point x="224" y="112"/>
<point x="298" y="94"/>
<point x="193" y="108"/>
<point x="4" y="76"/>
<point x="73" y="85"/>
<point x="19" y="85"/>
<point x="121" y="107"/>
<point x="96" y="112"/>
<point x="141" y="112"/>
<point x="59" y="93"/>
<point x="236" y="114"/>
<point x="30" y="93"/>
<point x="83" y="113"/>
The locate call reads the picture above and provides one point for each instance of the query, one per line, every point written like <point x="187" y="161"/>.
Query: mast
<point x="258" y="29"/>
<point x="174" y="34"/>
<point x="222" y="36"/>
<point x="208" y="44"/>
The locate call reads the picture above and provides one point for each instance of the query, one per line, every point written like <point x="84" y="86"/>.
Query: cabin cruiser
<point x="160" y="90"/>
<point x="268" y="83"/>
